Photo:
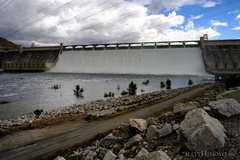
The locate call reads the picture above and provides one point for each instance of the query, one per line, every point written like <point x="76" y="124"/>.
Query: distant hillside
<point x="4" y="43"/>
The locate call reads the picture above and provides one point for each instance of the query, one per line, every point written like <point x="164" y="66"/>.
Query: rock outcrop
<point x="201" y="132"/>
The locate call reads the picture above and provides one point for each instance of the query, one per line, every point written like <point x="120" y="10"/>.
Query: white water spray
<point x="133" y="61"/>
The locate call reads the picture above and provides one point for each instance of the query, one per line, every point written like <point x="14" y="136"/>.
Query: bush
<point x="169" y="83"/>
<point x="56" y="86"/>
<point x="78" y="92"/>
<point x="162" y="84"/>
<point x="91" y="117"/>
<point x="38" y="112"/>
<point x="145" y="82"/>
<point x="4" y="102"/>
<point x="123" y="93"/>
<point x="190" y="82"/>
<point x="132" y="88"/>
<point x="232" y="80"/>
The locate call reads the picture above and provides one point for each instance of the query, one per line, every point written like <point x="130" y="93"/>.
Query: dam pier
<point x="217" y="57"/>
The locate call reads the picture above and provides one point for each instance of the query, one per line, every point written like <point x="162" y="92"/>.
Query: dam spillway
<point x="136" y="60"/>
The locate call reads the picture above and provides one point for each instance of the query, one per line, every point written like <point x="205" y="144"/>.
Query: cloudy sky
<point x="50" y="22"/>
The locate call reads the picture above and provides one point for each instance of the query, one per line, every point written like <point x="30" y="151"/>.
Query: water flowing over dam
<point x="132" y="61"/>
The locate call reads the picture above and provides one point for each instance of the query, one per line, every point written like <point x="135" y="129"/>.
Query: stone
<point x="202" y="132"/>
<point x="154" y="156"/>
<point x="59" y="158"/>
<point x="183" y="108"/>
<point x="225" y="107"/>
<point x="140" y="124"/>
<point x="110" y="156"/>
<point x="151" y="132"/>
<point x="116" y="149"/>
<point x="208" y="109"/>
<point x="175" y="127"/>
<point x="124" y="131"/>
<point x="142" y="152"/>
<point x="108" y="141"/>
<point x="165" y="130"/>
<point x="133" y="141"/>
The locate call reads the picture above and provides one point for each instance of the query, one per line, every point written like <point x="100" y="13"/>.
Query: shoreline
<point x="98" y="108"/>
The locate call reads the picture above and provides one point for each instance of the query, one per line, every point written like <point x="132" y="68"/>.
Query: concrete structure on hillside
<point x="29" y="58"/>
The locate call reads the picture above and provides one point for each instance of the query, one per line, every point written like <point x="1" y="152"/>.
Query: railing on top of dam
<point x="137" y="45"/>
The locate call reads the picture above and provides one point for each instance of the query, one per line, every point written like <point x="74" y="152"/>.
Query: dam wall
<point x="174" y="59"/>
<point x="221" y="57"/>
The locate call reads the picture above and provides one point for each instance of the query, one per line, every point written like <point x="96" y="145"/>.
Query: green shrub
<point x="38" y="112"/>
<point x="190" y="82"/>
<point x="169" y="83"/>
<point x="132" y="88"/>
<point x="91" y="117"/>
<point x="123" y="93"/>
<point x="4" y="102"/>
<point x="145" y="82"/>
<point x="78" y="92"/>
<point x="162" y="84"/>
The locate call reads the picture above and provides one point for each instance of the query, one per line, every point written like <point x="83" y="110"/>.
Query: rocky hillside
<point x="4" y="43"/>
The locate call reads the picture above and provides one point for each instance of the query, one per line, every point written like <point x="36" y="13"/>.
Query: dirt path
<point x="84" y="132"/>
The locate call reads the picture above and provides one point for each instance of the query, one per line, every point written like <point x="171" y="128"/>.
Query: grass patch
<point x="51" y="122"/>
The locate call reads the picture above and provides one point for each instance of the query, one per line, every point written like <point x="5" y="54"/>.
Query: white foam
<point x="133" y="61"/>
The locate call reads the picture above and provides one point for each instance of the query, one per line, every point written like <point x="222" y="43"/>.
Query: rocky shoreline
<point x="197" y="129"/>
<point x="98" y="108"/>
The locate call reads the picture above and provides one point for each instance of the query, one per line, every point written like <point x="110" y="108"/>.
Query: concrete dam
<point x="172" y="57"/>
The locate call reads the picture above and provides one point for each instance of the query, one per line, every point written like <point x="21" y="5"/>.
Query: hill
<point x="4" y="43"/>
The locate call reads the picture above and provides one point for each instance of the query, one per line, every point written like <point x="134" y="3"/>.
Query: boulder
<point x="59" y="158"/>
<point x="142" y="152"/>
<point x="108" y="141"/>
<point x="124" y="131"/>
<point x="165" y="130"/>
<point x="151" y="132"/>
<point x="153" y="156"/>
<point x="133" y="141"/>
<point x="183" y="108"/>
<point x="140" y="124"/>
<point x="201" y="132"/>
<point x="225" y="107"/>
<point x="110" y="156"/>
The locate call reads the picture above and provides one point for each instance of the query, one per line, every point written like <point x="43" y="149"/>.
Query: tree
<point x="162" y="84"/>
<point x="78" y="92"/>
<point x="132" y="88"/>
<point x="169" y="83"/>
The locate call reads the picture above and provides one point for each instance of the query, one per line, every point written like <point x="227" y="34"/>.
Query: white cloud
<point x="234" y="11"/>
<point x="210" y="4"/>
<point x="197" y="17"/>
<point x="218" y="23"/>
<point x="190" y="25"/>
<point x="238" y="16"/>
<point x="100" y="21"/>
<point x="236" y="28"/>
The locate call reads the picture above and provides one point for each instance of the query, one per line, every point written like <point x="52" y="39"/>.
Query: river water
<point x="27" y="92"/>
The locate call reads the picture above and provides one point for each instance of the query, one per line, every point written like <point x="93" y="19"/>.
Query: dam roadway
<point x="42" y="148"/>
